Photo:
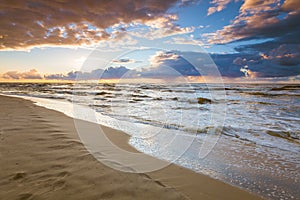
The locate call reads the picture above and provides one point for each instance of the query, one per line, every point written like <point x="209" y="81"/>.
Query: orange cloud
<point x="291" y="5"/>
<point x="27" y="24"/>
<point x="162" y="26"/>
<point x="161" y="56"/>
<point x="15" y="75"/>
<point x="218" y="6"/>
<point x="256" y="6"/>
<point x="259" y="19"/>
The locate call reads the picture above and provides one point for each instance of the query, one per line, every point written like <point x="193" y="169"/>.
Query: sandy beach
<point x="43" y="158"/>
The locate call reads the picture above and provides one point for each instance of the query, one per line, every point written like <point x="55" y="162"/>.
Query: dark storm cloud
<point x="30" y="23"/>
<point x="285" y="58"/>
<point x="230" y="65"/>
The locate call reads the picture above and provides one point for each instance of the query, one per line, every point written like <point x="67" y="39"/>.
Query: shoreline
<point x="29" y="140"/>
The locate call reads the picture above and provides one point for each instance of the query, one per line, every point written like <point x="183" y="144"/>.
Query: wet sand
<point x="42" y="157"/>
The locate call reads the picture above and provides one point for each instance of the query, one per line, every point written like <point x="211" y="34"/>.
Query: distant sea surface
<point x="259" y="145"/>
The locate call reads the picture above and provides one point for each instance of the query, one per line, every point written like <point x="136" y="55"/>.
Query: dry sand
<point x="41" y="157"/>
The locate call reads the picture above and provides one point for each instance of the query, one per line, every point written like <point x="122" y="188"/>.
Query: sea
<point x="246" y="135"/>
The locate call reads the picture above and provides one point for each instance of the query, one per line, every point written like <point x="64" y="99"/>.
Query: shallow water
<point x="258" y="146"/>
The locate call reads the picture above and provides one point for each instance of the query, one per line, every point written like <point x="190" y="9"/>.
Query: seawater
<point x="259" y="145"/>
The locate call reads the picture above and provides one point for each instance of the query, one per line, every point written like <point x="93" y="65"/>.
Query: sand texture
<point x="41" y="157"/>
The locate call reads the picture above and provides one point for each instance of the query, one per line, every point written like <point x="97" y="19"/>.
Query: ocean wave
<point x="286" y="87"/>
<point x="140" y="96"/>
<point x="157" y="98"/>
<point x="102" y="93"/>
<point x="265" y="94"/>
<point x="135" y="100"/>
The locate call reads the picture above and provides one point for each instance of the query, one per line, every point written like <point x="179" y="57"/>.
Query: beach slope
<point x="41" y="157"/>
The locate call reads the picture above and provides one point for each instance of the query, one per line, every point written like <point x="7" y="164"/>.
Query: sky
<point x="231" y="39"/>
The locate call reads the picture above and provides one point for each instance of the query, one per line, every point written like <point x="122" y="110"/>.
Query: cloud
<point x="239" y="61"/>
<point x="119" y="40"/>
<point x="291" y="5"/>
<point x="225" y="65"/>
<point x="218" y="5"/>
<point x="160" y="27"/>
<point x="124" y="61"/>
<point x="283" y="61"/>
<point x="27" y="24"/>
<point x="288" y="55"/>
<point x="114" y="72"/>
<point x="184" y="40"/>
<point x="257" y="6"/>
<point x="31" y="74"/>
<point x="275" y="52"/>
<point x="76" y="75"/>
<point x="230" y="65"/>
<point x="109" y="73"/>
<point x="188" y="2"/>
<point x="278" y="23"/>
<point x="169" y="64"/>
<point x="248" y="73"/>
<point x="260" y="19"/>
<point x="160" y="57"/>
